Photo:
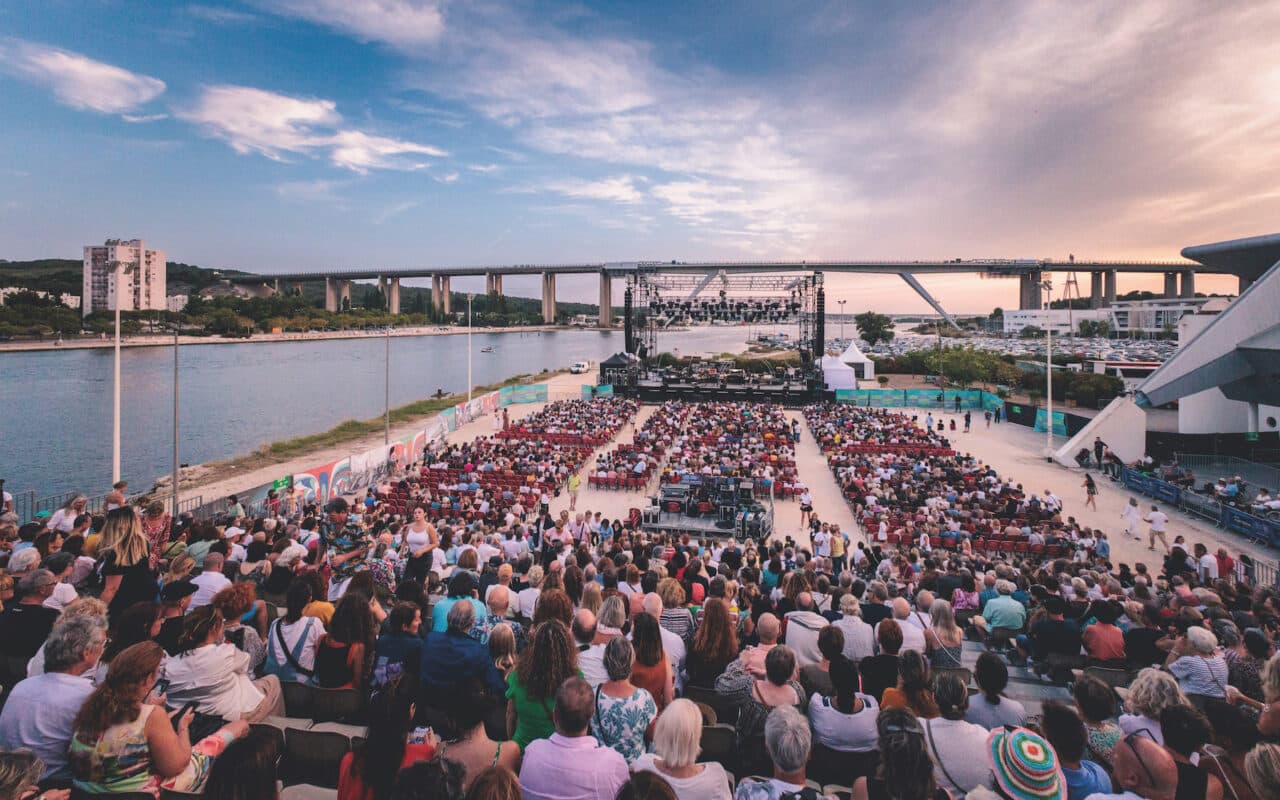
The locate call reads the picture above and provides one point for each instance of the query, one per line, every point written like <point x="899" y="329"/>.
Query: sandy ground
<point x="1012" y="449"/>
<point x="85" y="343"/>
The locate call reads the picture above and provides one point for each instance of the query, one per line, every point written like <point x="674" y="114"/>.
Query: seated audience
<point x="676" y="741"/>
<point x="571" y="764"/>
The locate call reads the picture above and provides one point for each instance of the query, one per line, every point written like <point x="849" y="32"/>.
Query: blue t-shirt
<point x="1087" y="780"/>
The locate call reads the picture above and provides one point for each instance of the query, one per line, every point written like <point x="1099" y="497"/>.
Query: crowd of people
<point x="630" y="466"/>
<point x="521" y="654"/>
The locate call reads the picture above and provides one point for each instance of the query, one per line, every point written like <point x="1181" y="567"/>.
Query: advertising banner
<point x="1059" y="422"/>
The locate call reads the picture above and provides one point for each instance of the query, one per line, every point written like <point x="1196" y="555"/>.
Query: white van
<point x="579" y="367"/>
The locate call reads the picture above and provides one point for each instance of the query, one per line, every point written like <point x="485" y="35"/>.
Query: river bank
<point x="160" y="340"/>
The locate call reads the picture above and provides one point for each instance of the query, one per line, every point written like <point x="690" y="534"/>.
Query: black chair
<point x="337" y="705"/>
<point x="313" y="757"/>
<point x="726" y="712"/>
<point x="718" y="744"/>
<point x="297" y="699"/>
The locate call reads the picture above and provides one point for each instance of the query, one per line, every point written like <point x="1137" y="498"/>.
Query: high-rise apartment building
<point x="123" y="271"/>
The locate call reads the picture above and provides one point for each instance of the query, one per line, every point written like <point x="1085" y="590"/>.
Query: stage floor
<point x="703" y="526"/>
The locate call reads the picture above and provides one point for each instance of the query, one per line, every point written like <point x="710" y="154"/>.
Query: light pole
<point x="841" y="304"/>
<point x="1048" y="371"/>
<point x="470" y="297"/>
<point x="386" y="422"/>
<point x="116" y="270"/>
<point x="176" y="329"/>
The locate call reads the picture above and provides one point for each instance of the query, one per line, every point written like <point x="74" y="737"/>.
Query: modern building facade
<point x="1126" y="318"/>
<point x="124" y="272"/>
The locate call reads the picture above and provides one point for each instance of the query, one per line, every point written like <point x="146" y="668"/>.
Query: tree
<point x="1031" y="332"/>
<point x="874" y="328"/>
<point x="1090" y="327"/>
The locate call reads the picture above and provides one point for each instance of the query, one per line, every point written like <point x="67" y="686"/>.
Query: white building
<point x="177" y="302"/>
<point x="68" y="300"/>
<point x="125" y="272"/>
<point x="1124" y="317"/>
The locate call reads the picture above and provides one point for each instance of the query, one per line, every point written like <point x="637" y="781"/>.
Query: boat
<point x="488" y="349"/>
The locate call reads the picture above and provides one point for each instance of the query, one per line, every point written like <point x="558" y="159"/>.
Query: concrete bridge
<point x="1179" y="277"/>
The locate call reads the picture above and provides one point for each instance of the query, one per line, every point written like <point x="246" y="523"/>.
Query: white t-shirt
<point x="1208" y="567"/>
<point x="591" y="663"/>
<point x="912" y="637"/>
<point x="849" y="733"/>
<point x="207" y="585"/>
<point x="712" y="783"/>
<point x="1159" y="520"/>
<point x="961" y="754"/>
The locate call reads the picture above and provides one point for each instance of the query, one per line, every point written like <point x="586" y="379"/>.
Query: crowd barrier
<point x="970" y="399"/>
<point x="359" y="471"/>
<point x="1254" y="527"/>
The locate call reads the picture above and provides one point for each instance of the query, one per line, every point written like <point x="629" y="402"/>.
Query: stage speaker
<point x="629" y="334"/>
<point x="820" y="329"/>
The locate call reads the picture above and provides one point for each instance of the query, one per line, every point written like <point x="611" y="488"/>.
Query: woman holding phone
<point x="125" y="743"/>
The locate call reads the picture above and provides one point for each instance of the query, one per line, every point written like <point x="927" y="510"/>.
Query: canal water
<point x="55" y="405"/>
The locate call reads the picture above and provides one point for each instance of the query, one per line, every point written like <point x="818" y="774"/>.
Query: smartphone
<point x="180" y="713"/>
<point x="161" y="687"/>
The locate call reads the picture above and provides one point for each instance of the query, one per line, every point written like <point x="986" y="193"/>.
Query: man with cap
<point x="175" y="599"/>
<point x="25" y="625"/>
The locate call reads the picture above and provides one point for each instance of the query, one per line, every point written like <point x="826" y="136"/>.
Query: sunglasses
<point x="1128" y="740"/>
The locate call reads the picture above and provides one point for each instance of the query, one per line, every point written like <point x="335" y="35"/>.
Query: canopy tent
<point x="837" y="374"/>
<point x="862" y="366"/>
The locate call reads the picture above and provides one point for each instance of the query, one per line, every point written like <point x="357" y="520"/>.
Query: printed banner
<point x="1059" y="422"/>
<point x="512" y="395"/>
<point x="973" y="399"/>
<point x="590" y="392"/>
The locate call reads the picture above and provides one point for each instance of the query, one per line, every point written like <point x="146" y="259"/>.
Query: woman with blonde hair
<point x="180" y="568"/>
<point x="675" y="616"/>
<point x="124" y="742"/>
<point x="1262" y="768"/>
<point x="592" y="597"/>
<point x="502" y="648"/>
<point x="20" y="772"/>
<point x="676" y="742"/>
<point x="943" y="638"/>
<point x="1149" y="695"/>
<point x="126" y="561"/>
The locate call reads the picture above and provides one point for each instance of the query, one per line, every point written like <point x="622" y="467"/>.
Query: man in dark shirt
<point x="1140" y="646"/>
<point x="876" y="608"/>
<point x="1052" y="635"/>
<point x="25" y="625"/>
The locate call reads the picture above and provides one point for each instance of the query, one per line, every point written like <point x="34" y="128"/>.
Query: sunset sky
<point x="273" y="135"/>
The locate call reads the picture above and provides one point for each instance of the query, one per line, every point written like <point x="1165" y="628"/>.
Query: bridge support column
<point x="344" y="295"/>
<point x="1110" y="298"/>
<point x="440" y="299"/>
<point x="493" y="283"/>
<point x="277" y="286"/>
<point x="1170" y="285"/>
<point x="1029" y="290"/>
<point x="297" y="288"/>
<point x="1189" y="284"/>
<point x="1095" y="290"/>
<point x="548" y="297"/>
<point x="606" y="300"/>
<point x="393" y="296"/>
<point x="331" y="294"/>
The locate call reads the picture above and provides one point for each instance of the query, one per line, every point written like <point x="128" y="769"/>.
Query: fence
<point x="1257" y="529"/>
<point x="971" y="399"/>
<point x="1208" y="468"/>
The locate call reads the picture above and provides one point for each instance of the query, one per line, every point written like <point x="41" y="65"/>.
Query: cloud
<point x="274" y="125"/>
<point x="77" y="80"/>
<point x="387" y="214"/>
<point x="312" y="191"/>
<point x="219" y="16"/>
<point x="483" y="168"/>
<point x="401" y="23"/>
<point x="139" y="118"/>
<point x="449" y="178"/>
<point x="618" y="189"/>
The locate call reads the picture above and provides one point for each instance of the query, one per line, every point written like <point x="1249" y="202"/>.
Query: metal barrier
<point x="1258" y="529"/>
<point x="1209" y="468"/>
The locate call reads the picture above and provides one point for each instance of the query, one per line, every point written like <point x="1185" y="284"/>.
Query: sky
<point x="279" y="135"/>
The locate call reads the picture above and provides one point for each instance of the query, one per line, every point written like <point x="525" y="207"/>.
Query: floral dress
<point x="1102" y="743"/>
<point x="120" y="761"/>
<point x="620" y="722"/>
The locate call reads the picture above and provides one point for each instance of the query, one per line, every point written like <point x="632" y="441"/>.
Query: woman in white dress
<point x="1131" y="517"/>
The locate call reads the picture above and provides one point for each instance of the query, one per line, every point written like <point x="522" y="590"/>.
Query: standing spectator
<point x="126" y="567"/>
<point x="571" y="765"/>
<point x="676" y="741"/>
<point x="1159" y="522"/>
<point x="40" y="711"/>
<point x="531" y="687"/>
<point x="155" y="526"/>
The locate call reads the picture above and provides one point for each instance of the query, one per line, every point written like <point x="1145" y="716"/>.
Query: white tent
<point x="862" y="366"/>
<point x="837" y="374"/>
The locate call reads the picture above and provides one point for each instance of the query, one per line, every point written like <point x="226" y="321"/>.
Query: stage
<point x="791" y="395"/>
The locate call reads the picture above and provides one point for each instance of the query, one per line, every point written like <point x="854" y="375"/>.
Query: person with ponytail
<point x="906" y="771"/>
<point x="913" y="690"/>
<point x="846" y="719"/>
<point x="124" y="742"/>
<point x="391" y="744"/>
<point x="958" y="747"/>
<point x="215" y="674"/>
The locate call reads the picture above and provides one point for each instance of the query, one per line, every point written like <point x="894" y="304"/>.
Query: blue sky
<point x="276" y="135"/>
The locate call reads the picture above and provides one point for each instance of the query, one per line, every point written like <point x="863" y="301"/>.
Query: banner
<point x="512" y="395"/>
<point x="972" y="399"/>
<point x="282" y="483"/>
<point x="1059" y="422"/>
<point x="590" y="392"/>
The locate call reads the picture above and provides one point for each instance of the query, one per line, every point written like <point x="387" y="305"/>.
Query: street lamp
<point x="841" y="304"/>
<point x="176" y="329"/>
<point x="386" y="422"/>
<point x="118" y="268"/>
<point x="470" y="297"/>
<point x="1048" y="369"/>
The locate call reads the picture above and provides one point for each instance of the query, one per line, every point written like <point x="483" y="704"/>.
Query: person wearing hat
<point x="175" y="599"/>
<point x="1024" y="766"/>
<point x="60" y="565"/>
<point x="25" y="625"/>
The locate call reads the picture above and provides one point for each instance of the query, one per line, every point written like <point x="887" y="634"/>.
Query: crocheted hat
<point x="1025" y="765"/>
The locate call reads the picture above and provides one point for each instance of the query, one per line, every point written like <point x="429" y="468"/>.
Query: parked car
<point x="579" y="367"/>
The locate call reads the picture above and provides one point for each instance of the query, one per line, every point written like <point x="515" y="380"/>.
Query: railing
<point x="26" y="504"/>
<point x="1208" y="468"/>
<point x="1262" y="530"/>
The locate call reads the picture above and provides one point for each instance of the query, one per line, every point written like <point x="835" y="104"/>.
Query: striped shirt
<point x="1201" y="675"/>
